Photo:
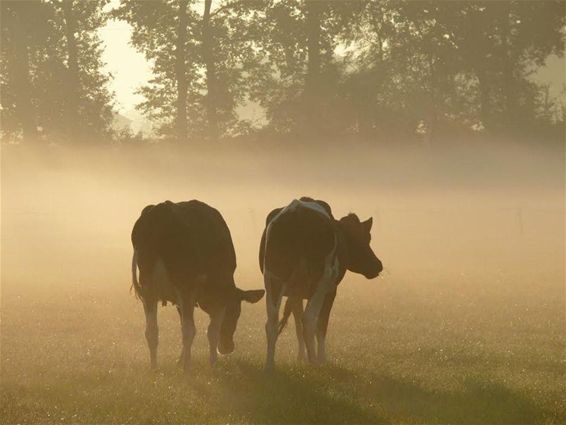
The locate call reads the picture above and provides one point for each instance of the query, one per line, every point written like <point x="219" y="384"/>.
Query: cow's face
<point x="231" y="316"/>
<point x="361" y="258"/>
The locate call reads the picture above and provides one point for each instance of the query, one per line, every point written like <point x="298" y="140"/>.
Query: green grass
<point x="448" y="350"/>
<point x="466" y="327"/>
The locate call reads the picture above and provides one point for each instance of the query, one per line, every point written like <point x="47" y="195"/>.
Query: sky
<point x="129" y="68"/>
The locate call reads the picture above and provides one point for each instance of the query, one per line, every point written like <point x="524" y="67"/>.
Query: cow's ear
<point x="367" y="224"/>
<point x="252" y="296"/>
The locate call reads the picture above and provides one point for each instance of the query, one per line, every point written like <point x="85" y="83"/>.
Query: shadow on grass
<point x="290" y="395"/>
<point x="476" y="402"/>
<point x="333" y="394"/>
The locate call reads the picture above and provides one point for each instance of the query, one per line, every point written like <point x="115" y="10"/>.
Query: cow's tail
<point x="135" y="283"/>
<point x="287" y="310"/>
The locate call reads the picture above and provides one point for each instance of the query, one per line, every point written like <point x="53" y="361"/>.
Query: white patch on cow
<point x="296" y="203"/>
<point x="315" y="206"/>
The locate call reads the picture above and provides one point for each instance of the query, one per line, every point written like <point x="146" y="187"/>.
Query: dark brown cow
<point x="304" y="254"/>
<point x="185" y="256"/>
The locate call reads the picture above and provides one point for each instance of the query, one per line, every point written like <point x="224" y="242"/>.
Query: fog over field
<point x="442" y="120"/>
<point x="466" y="323"/>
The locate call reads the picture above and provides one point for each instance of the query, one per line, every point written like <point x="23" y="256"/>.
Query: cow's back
<point x="297" y="241"/>
<point x="191" y="238"/>
<point x="211" y="235"/>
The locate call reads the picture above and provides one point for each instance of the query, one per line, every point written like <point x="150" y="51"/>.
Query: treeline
<point x="368" y="69"/>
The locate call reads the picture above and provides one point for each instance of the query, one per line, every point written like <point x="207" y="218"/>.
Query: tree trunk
<point x="433" y="102"/>
<point x="211" y="83"/>
<point x="180" y="72"/>
<point x="485" y="101"/>
<point x="312" y="80"/>
<point x="73" y="81"/>
<point x="19" y="71"/>
<point x="508" y="83"/>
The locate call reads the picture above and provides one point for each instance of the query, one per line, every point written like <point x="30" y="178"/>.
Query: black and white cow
<point x="304" y="254"/>
<point x="185" y="256"/>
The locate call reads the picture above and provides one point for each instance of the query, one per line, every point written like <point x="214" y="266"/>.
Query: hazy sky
<point x="128" y="67"/>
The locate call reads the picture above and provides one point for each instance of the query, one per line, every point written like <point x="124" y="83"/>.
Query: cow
<point x="185" y="256"/>
<point x="304" y="254"/>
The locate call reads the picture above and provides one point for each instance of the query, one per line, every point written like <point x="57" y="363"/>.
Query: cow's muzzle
<point x="378" y="268"/>
<point x="226" y="347"/>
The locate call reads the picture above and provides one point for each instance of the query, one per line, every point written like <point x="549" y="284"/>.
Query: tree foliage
<point x="318" y="69"/>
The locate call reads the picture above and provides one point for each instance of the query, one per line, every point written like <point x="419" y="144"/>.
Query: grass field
<point x="466" y="325"/>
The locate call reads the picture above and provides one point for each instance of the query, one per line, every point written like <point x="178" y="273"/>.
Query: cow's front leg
<point x="297" y="309"/>
<point x="187" y="307"/>
<point x="213" y="334"/>
<point x="151" y="329"/>
<point x="322" y="326"/>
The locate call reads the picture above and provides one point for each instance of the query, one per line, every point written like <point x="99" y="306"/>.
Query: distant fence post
<point x="377" y="219"/>
<point x="519" y="216"/>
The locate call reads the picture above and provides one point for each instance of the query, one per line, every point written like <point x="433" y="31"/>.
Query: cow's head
<point x="360" y="257"/>
<point x="232" y="314"/>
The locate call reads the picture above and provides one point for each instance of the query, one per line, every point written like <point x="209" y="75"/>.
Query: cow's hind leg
<point x="213" y="334"/>
<point x="297" y="307"/>
<point x="187" y="306"/>
<point x="151" y="329"/>
<point x="312" y="312"/>
<point x="274" y="293"/>
<point x="322" y="326"/>
<point x="182" y="356"/>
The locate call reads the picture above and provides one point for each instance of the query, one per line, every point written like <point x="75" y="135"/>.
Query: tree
<point x="449" y="61"/>
<point x="89" y="100"/>
<point x="21" y="34"/>
<point x="52" y="74"/>
<point x="210" y="80"/>
<point x="296" y="83"/>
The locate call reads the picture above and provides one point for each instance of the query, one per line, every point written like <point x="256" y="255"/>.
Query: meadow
<point x="465" y="326"/>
